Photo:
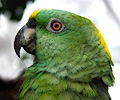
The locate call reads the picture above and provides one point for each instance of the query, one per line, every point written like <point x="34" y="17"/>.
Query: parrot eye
<point x="55" y="25"/>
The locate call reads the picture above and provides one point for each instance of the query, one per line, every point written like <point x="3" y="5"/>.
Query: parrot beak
<point x="25" y="38"/>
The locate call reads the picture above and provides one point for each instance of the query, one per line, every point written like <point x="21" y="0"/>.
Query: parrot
<point x="71" y="58"/>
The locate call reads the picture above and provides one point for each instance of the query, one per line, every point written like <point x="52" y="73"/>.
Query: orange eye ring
<point x="56" y="26"/>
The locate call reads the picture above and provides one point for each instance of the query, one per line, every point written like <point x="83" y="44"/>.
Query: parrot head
<point x="58" y="37"/>
<point x="54" y="31"/>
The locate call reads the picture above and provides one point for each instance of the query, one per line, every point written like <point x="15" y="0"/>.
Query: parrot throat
<point x="57" y="60"/>
<point x="63" y="63"/>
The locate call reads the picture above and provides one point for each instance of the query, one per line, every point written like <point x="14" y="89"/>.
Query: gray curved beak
<point x="25" y="38"/>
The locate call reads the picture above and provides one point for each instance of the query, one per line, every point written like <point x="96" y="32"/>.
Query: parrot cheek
<point x="25" y="38"/>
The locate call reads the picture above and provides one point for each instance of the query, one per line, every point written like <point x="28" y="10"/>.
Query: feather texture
<point x="74" y="64"/>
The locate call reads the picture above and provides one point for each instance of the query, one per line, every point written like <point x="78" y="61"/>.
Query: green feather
<point x="108" y="80"/>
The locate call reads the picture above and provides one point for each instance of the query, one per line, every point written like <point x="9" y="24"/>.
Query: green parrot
<point x="71" y="59"/>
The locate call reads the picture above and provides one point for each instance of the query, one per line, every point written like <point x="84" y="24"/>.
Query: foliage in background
<point x="14" y="7"/>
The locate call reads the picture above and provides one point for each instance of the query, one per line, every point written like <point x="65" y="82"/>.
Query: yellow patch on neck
<point x="103" y="43"/>
<point x="35" y="12"/>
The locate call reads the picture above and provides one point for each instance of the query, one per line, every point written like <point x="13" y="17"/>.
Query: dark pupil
<point x="56" y="25"/>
